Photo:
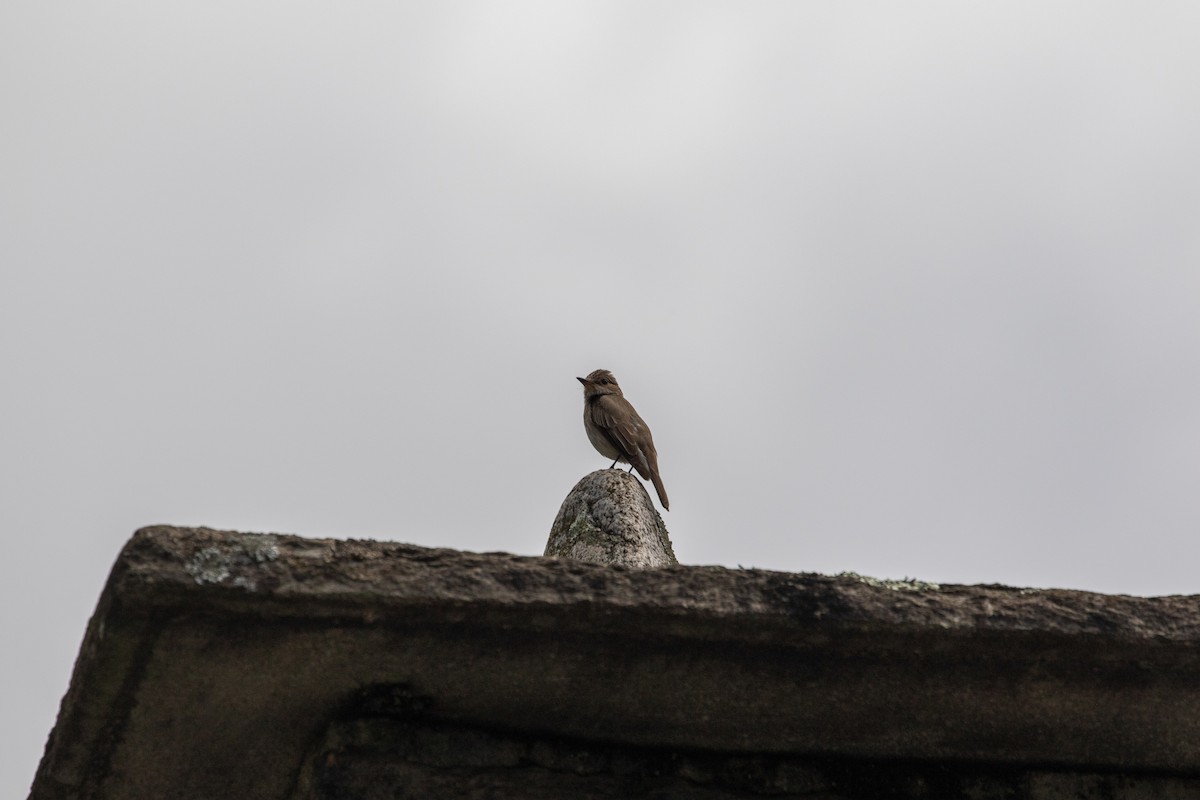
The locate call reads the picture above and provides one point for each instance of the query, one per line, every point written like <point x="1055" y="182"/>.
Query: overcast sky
<point x="906" y="289"/>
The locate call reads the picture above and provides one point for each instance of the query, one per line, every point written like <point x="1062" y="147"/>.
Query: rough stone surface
<point x="231" y="665"/>
<point x="609" y="518"/>
<point x="373" y="757"/>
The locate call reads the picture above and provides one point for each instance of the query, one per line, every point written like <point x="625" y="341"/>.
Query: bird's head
<point x="599" y="382"/>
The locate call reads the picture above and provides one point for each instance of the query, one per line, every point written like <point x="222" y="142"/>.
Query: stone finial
<point x="608" y="518"/>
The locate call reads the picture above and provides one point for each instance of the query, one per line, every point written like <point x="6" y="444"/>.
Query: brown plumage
<point x="616" y="431"/>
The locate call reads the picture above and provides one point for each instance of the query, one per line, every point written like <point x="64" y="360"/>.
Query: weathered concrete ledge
<point x="249" y="666"/>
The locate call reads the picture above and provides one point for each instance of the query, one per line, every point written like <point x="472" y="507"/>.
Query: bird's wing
<point x="627" y="430"/>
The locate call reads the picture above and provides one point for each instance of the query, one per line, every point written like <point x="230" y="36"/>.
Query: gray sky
<point x="905" y="289"/>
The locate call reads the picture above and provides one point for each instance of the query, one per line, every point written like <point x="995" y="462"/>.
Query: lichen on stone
<point x="208" y="565"/>
<point x="905" y="585"/>
<point x="262" y="551"/>
<point x="216" y="564"/>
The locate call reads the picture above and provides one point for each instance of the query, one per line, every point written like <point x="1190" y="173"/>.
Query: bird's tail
<point x="662" y="492"/>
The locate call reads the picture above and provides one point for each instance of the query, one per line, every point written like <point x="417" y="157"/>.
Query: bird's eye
<point x="604" y="381"/>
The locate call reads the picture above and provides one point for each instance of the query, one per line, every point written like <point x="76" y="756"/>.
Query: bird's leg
<point x="631" y="469"/>
<point x="614" y="464"/>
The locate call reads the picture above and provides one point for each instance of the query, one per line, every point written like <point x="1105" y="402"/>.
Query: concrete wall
<point x="222" y="664"/>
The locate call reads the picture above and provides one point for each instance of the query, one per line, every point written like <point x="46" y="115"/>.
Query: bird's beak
<point x="582" y="380"/>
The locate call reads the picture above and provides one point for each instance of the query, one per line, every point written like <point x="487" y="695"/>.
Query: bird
<point x="617" y="431"/>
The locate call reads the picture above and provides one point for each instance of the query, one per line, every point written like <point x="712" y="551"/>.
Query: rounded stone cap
<point x="609" y="518"/>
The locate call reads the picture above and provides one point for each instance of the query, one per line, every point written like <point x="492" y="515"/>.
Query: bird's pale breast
<point x="602" y="443"/>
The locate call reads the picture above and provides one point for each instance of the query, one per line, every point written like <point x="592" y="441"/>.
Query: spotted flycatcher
<point x="616" y="431"/>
